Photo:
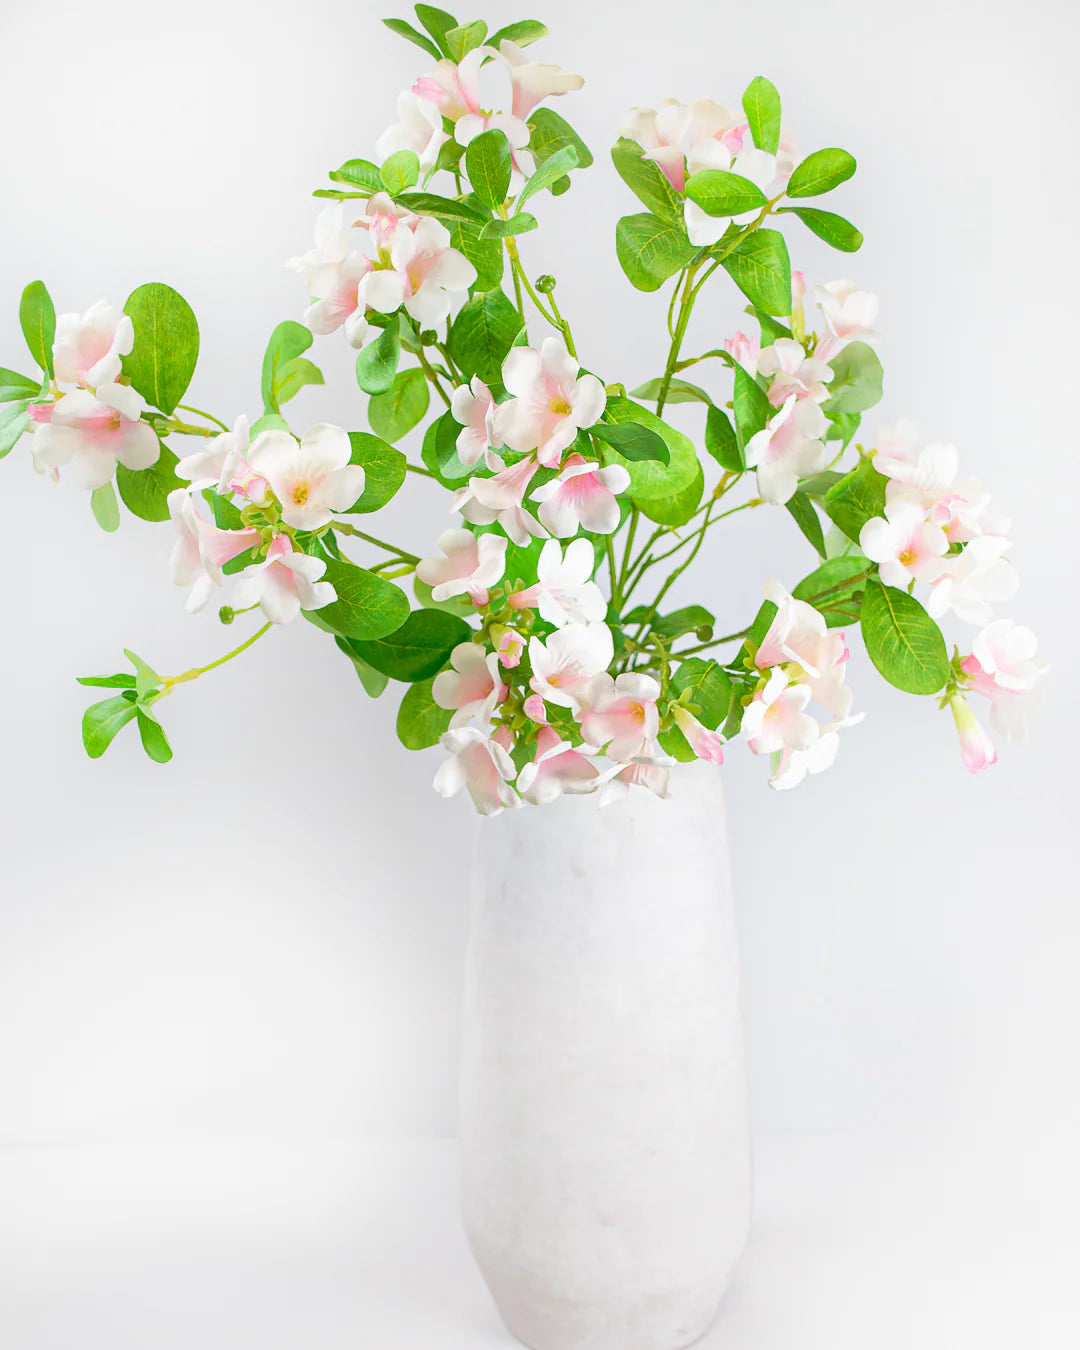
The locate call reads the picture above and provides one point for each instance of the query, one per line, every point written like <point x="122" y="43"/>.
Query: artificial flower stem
<point x="432" y="377"/>
<point x="343" y="528"/>
<point x="186" y="407"/>
<point x="194" y="673"/>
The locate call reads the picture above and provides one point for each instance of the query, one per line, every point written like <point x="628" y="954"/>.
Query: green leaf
<point x="677" y="508"/>
<point x="438" y="23"/>
<point x="145" y="491"/>
<point x="104" y="506"/>
<point x="646" y="180"/>
<point x="834" y="229"/>
<point x="121" y="681"/>
<point x="482" y="334"/>
<point x="162" y="361"/>
<point x="502" y="229"/>
<point x="37" y="317"/>
<point x="752" y="409"/>
<point x="14" y="420"/>
<point x="828" y="583"/>
<point x="152" y="734"/>
<point x="443" y="208"/>
<point x="400" y="172"/>
<point x="820" y="483"/>
<point x="374" y="681"/>
<point x="686" y="620"/>
<point x="772" y="330"/>
<point x="102" y="721"/>
<point x="721" y="441"/>
<point x="549" y="132"/>
<point x="858" y="497"/>
<point x="650" y="250"/>
<point x="650" y="480"/>
<point x="405" y="30"/>
<point x="808" y="521"/>
<point x="395" y="413"/>
<point x="632" y="440"/>
<point x="720" y="193"/>
<point x="366" y="606"/>
<point x="295" y="374"/>
<point x="420" y="720"/>
<point x="439" y="452"/>
<point x="761" y="269"/>
<point x="761" y="103"/>
<point x="384" y="470"/>
<point x="287" y="342"/>
<point x="709" y="686"/>
<point x="857" y="380"/>
<point x="17" y="387"/>
<point x="550" y="171"/>
<point x="820" y="172"/>
<point x="464" y="38"/>
<point x="486" y="255"/>
<point x="377" y="363"/>
<point x="359" y="173"/>
<point x="489" y="165"/>
<point x="420" y="647"/>
<point x="902" y="640"/>
<point x="523" y="33"/>
<point x="147" y="680"/>
<point x="679" y="391"/>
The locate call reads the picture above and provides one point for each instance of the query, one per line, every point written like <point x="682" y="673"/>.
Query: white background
<point x="265" y="937"/>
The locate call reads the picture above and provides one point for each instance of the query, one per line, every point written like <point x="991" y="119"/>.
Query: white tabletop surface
<point x="860" y="1243"/>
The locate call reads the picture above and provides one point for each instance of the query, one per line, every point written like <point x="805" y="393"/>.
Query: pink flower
<point x="622" y="716"/>
<point x="509" y="647"/>
<point x="563" y="665"/>
<point x="971" y="582"/>
<point x="87" y="348"/>
<point x="498" y="500"/>
<point x="793" y="372"/>
<point x="849" y="313"/>
<point x="776" y="719"/>
<point x="202" y="550"/>
<point x="976" y="747"/>
<point x="615" y="783"/>
<point x="284" y="584"/>
<point x="745" y="350"/>
<point x="706" y="744"/>
<point x="904" y="544"/>
<point x="787" y="449"/>
<point x="472" y="564"/>
<point x="92" y="433"/>
<point x="534" y="81"/>
<point x="419" y="129"/>
<point x="473" y="406"/>
<point x="204" y="468"/>
<point x="336" y="300"/>
<point x="422" y="274"/>
<point x="704" y="130"/>
<point x="1003" y="668"/>
<point x="583" y="494"/>
<point x="312" y="479"/>
<point x="551" y="402"/>
<point x="480" y="764"/>
<point x="534" y="709"/>
<point x="556" y="768"/>
<point x="792" y="766"/>
<point x="473" y="687"/>
<point x="564" y="592"/>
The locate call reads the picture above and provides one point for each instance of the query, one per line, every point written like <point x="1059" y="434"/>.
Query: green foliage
<point x="400" y="172"/>
<point x="145" y="491"/>
<point x="395" y="413"/>
<point x="373" y="681"/>
<point x="377" y="363"/>
<point x="759" y="265"/>
<point x="439" y="451"/>
<point x="646" y="180"/>
<point x="752" y="409"/>
<point x="420" y="720"/>
<point x="407" y="31"/>
<point x="651" y="480"/>
<point x="485" y="254"/>
<point x="152" y="734"/>
<point x="720" y="193"/>
<point x="689" y="619"/>
<point x="384" y="470"/>
<point x="283" y="364"/>
<point x="550" y="133"/>
<point x="14" y="420"/>
<point x="104" y="505"/>
<point x="443" y="208"/>
<point x="721" y="441"/>
<point x="37" y="318"/>
<point x="102" y="721"/>
<point x="359" y="173"/>
<point x="761" y="103"/>
<point x="162" y="361"/>
<point x="820" y="483"/>
<point x="857" y="498"/>
<point x="834" y="229"/>
<point x="820" y="173"/>
<point x="438" y="23"/>
<point x="489" y="165"/>
<point x="366" y="607"/>
<point x="523" y="33"/>
<point x="710" y="700"/>
<point x="465" y="38"/>
<point x="418" y="648"/>
<point x="503" y="229"/>
<point x="826" y="590"/>
<point x="632" y="440"/>
<point x="483" y="333"/>
<point x="650" y="250"/>
<point x="17" y="387"/>
<point x="679" y="391"/>
<point x="802" y="512"/>
<point x="857" y="380"/>
<point x="902" y="640"/>
<point x="556" y="166"/>
<point x="677" y="508"/>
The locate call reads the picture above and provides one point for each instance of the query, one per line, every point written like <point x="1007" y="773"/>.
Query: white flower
<point x="971" y="582"/>
<point x="850" y="315"/>
<point x="312" y="479"/>
<point x="557" y="768"/>
<point x="534" y="81"/>
<point x="473" y="687"/>
<point x="564" y="664"/>
<point x="622" y="717"/>
<point x="583" y="494"/>
<point x="615" y="783"/>
<point x="551" y="402"/>
<point x="202" y="550"/>
<point x="419" y="129"/>
<point x="472" y="564"/>
<point x="788" y="448"/>
<point x="480" y="764"/>
<point x="284" y="584"/>
<point x="564" y="592"/>
<point x="206" y="467"/>
<point x="1003" y="668"/>
<point x="793" y="372"/>
<point x="423" y="275"/>
<point x="92" y="433"/>
<point x="473" y="406"/>
<point x="904" y="544"/>
<point x="87" y="348"/>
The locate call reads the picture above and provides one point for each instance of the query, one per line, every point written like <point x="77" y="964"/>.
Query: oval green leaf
<point x="384" y="470"/>
<point x="720" y="193"/>
<point x="820" y="172"/>
<point x="37" y="318"/>
<point x="162" y="361"/>
<point x="489" y="166"/>
<point x="902" y="640"/>
<point x="419" y="647"/>
<point x="366" y="606"/>
<point x="420" y="720"/>
<point x="651" y="480"/>
<point x="395" y="413"/>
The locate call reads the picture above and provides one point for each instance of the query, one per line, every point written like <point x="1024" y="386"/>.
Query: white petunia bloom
<point x="286" y="583"/>
<point x="88" y="347"/>
<point x="312" y="479"/>
<point x="564" y="591"/>
<point x="92" y="433"/>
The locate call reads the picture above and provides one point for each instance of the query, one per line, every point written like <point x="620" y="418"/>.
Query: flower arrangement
<point x="531" y="646"/>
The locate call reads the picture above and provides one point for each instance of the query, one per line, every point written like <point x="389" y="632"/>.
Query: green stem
<point x="519" y="272"/>
<point x="614" y="584"/>
<point x="567" y="335"/>
<point x="415" y="468"/>
<point x="186" y="407"/>
<point x="174" y="426"/>
<point x="433" y="377"/>
<point x="342" y="528"/>
<point x="194" y="674"/>
<point x="686" y="305"/>
<point x="713" y="642"/>
<point x="844" y="585"/>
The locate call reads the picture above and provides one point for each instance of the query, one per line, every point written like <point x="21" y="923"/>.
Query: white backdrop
<point x="266" y="936"/>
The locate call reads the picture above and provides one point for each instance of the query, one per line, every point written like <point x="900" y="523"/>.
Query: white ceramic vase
<point x="605" y="1139"/>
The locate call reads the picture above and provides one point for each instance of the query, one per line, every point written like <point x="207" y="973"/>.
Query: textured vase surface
<point x="605" y="1139"/>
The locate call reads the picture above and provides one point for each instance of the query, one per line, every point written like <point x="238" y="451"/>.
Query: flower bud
<point x="545" y="284"/>
<point x="226" y="614"/>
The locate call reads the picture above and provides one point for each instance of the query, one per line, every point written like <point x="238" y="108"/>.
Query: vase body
<point x="604" y="1129"/>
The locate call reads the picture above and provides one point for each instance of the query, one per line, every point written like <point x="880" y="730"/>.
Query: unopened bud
<point x="226" y="614"/>
<point x="429" y="337"/>
<point x="545" y="284"/>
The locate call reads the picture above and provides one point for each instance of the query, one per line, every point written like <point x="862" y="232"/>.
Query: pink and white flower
<point x="776" y="718"/>
<point x="972" y="582"/>
<point x="706" y="744"/>
<point x="479" y="764"/>
<point x="92" y="433"/>
<point x="976" y="747"/>
<point x="422" y="273"/>
<point x="337" y="302"/>
<point x="552" y="400"/>
<point x="473" y="687"/>
<point x="509" y="647"/>
<point x="788" y="448"/>
<point x="202" y="550"/>
<point x="419" y="128"/>
<point x="312" y="479"/>
<point x="473" y="406"/>
<point x="850" y="315"/>
<point x="556" y="768"/>
<point x="622" y="716"/>
<point x="88" y="347"/>
<point x="905" y="545"/>
<point x="564" y="663"/>
<point x="534" y="81"/>
<point x="793" y="372"/>
<point x="813" y="654"/>
<point x="472" y="564"/>
<point x="498" y="500"/>
<point x="792" y="766"/>
<point x="564" y="591"/>
<point x="284" y="584"/>
<point x="1002" y="667"/>
<point x="583" y="494"/>
<point x="746" y="350"/>
<point x="205" y="468"/>
<point x="615" y="783"/>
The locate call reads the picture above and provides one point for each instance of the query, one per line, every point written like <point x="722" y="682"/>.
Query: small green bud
<point x="429" y="337"/>
<point x="226" y="614"/>
<point x="546" y="284"/>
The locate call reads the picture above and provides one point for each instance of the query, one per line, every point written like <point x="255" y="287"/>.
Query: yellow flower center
<point x="636" y="712"/>
<point x="907" y="557"/>
<point x="300" y="493"/>
<point x="560" y="406"/>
